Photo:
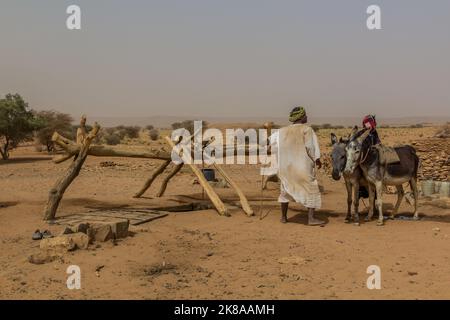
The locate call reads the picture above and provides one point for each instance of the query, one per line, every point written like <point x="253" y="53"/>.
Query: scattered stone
<point x="158" y="269"/>
<point x="97" y="270"/>
<point x="80" y="239"/>
<point x="58" y="244"/>
<point x="208" y="235"/>
<point x="292" y="260"/>
<point x="100" y="232"/>
<point x="120" y="228"/>
<point x="219" y="183"/>
<point x="105" y="164"/>
<point x="41" y="258"/>
<point x="99" y="267"/>
<point x="64" y="243"/>
<point x="412" y="273"/>
<point x="81" y="227"/>
<point x="67" y="230"/>
<point x="137" y="229"/>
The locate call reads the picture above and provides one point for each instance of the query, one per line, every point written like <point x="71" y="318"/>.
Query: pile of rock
<point x="79" y="237"/>
<point x="434" y="154"/>
<point x="444" y="132"/>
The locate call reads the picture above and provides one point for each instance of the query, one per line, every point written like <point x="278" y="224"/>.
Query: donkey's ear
<point x="354" y="131"/>
<point x="333" y="138"/>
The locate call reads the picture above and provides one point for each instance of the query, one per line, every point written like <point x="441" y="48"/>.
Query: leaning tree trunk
<point x="56" y="193"/>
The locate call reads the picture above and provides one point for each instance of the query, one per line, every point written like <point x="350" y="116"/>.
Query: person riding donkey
<point x="298" y="154"/>
<point x="370" y="123"/>
<point x="388" y="154"/>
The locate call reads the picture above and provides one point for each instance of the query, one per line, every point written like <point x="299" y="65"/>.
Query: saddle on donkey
<point x="387" y="154"/>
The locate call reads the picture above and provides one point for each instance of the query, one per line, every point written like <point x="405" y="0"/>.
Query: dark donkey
<point x="352" y="180"/>
<point x="360" y="153"/>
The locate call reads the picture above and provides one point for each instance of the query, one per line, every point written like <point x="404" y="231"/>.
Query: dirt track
<point x="206" y="256"/>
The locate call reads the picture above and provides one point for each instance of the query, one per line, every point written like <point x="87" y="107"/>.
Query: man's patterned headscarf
<point x="296" y="114"/>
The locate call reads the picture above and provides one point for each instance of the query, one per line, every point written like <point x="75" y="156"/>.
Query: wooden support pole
<point x="72" y="149"/>
<point x="152" y="178"/>
<point x="244" y="202"/>
<point x="218" y="204"/>
<point x="166" y="180"/>
<point x="56" y="193"/>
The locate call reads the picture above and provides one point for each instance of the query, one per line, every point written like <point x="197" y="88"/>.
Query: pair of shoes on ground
<point x="38" y="235"/>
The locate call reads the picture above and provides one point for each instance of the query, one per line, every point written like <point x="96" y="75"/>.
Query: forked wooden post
<point x="56" y="193"/>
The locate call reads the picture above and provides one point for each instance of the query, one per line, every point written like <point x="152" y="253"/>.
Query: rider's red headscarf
<point x="371" y="120"/>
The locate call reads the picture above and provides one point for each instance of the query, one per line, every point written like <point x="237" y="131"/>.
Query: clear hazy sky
<point x="228" y="57"/>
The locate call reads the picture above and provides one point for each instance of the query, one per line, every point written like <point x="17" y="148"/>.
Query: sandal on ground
<point x="47" y="234"/>
<point x="37" y="235"/>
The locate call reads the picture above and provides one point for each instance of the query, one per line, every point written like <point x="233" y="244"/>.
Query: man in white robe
<point x="298" y="154"/>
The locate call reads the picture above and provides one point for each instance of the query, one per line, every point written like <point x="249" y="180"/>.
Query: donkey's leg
<point x="413" y="185"/>
<point x="379" y="202"/>
<point x="348" y="185"/>
<point x="356" y="203"/>
<point x="400" y="195"/>
<point x="371" y="202"/>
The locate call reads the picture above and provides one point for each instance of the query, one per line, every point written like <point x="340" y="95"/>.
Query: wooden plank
<point x="220" y="207"/>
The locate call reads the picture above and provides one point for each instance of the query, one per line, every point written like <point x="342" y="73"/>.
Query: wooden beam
<point x="166" y="180"/>
<point x="152" y="178"/>
<point x="218" y="204"/>
<point x="244" y="202"/>
<point x="72" y="149"/>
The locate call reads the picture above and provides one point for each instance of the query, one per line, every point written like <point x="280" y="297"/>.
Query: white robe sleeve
<point x="312" y="144"/>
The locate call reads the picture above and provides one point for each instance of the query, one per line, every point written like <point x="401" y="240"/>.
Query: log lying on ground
<point x="56" y="193"/>
<point x="218" y="204"/>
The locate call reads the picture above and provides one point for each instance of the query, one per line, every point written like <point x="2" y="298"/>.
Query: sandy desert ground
<point x="201" y="255"/>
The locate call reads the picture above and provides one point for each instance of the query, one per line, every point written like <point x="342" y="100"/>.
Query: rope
<point x="365" y="157"/>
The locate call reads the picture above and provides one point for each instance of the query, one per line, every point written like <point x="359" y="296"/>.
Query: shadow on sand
<point x="8" y="204"/>
<point x="24" y="160"/>
<point x="302" y="216"/>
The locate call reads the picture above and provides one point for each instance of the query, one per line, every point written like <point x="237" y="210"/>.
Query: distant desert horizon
<point x="161" y="121"/>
